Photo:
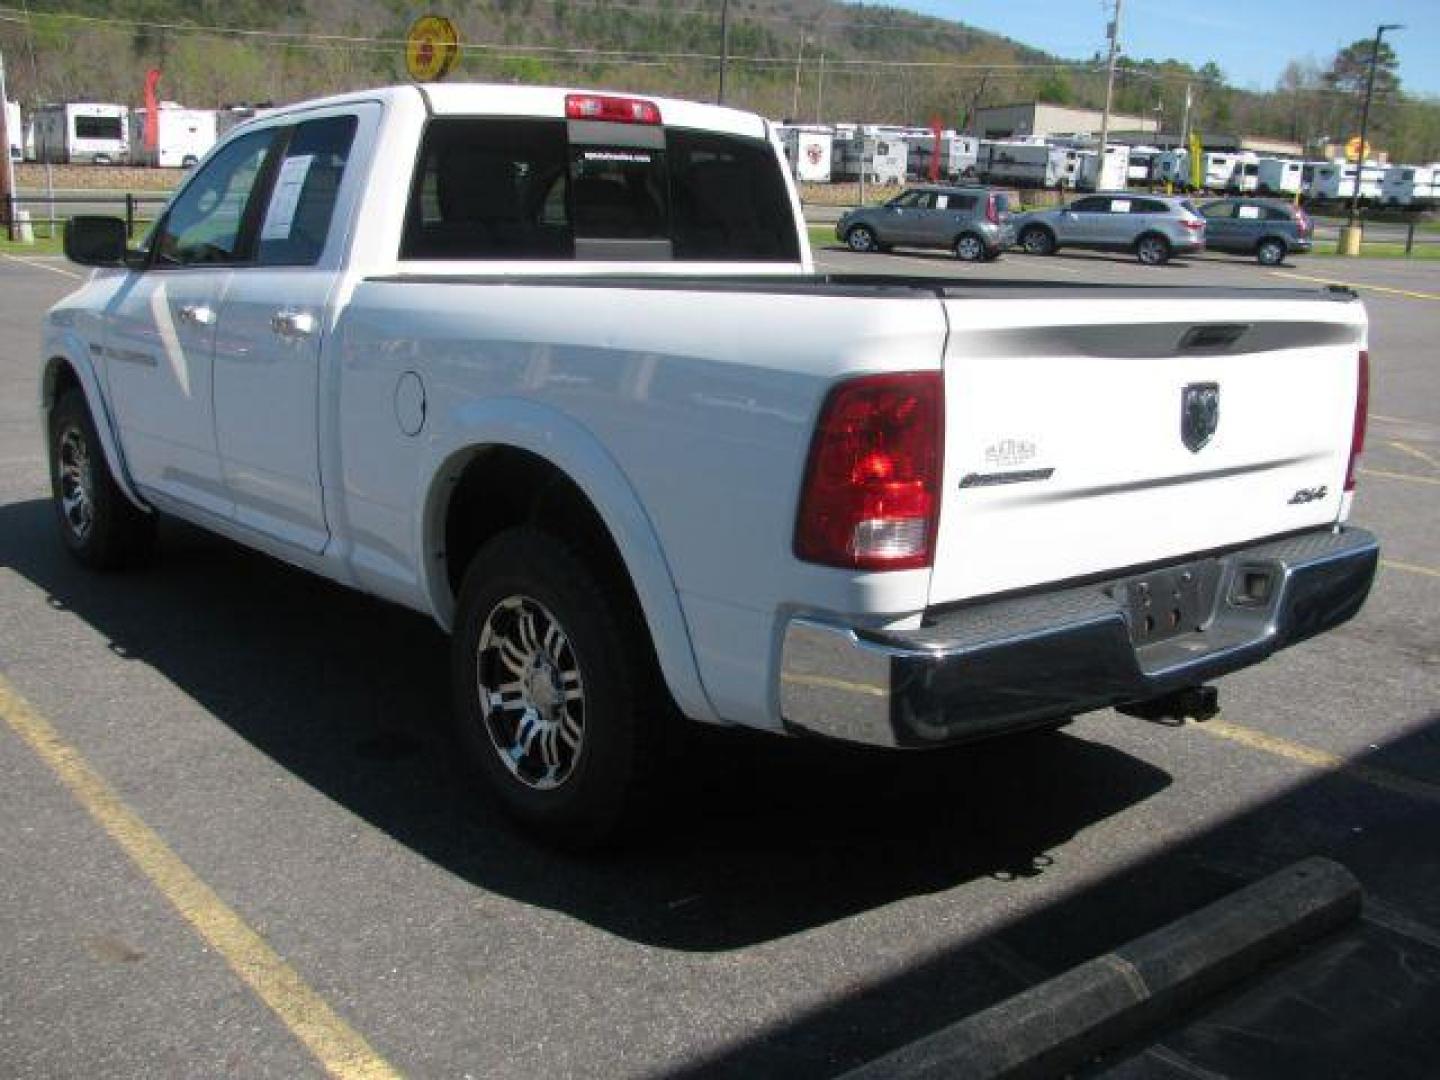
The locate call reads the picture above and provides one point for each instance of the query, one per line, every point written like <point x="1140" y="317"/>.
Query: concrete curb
<point x="1106" y="1001"/>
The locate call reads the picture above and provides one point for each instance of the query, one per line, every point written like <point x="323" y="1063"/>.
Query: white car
<point x="555" y="368"/>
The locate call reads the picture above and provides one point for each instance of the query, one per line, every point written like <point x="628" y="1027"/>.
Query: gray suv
<point x="1267" y="229"/>
<point x="1154" y="227"/>
<point x="973" y="222"/>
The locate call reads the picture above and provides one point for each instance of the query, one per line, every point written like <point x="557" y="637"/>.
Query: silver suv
<point x="973" y="222"/>
<point x="1154" y="227"/>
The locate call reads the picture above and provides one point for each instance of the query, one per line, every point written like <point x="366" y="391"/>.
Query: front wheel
<point x="99" y="525"/>
<point x="969" y="248"/>
<point x="1038" y="241"/>
<point x="555" y="692"/>
<point x="1153" y="250"/>
<point x="1271" y="252"/>
<point x="861" y="239"/>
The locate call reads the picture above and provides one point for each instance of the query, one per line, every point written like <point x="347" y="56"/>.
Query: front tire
<point x="1038" y="240"/>
<point x="556" y="696"/>
<point x="100" y="526"/>
<point x="861" y="239"/>
<point x="1271" y="252"/>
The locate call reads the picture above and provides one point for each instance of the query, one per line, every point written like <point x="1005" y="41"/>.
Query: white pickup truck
<point x="556" y="369"/>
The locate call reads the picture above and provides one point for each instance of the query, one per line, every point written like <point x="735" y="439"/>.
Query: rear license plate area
<point x="1168" y="603"/>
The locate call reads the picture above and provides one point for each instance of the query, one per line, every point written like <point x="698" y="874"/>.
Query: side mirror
<point x="96" y="241"/>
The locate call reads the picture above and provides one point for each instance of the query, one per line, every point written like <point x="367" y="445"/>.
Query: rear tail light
<point x="616" y="110"/>
<point x="992" y="212"/>
<point x="1193" y="224"/>
<point x="871" y="498"/>
<point x="1302" y="222"/>
<point x="1357" y="430"/>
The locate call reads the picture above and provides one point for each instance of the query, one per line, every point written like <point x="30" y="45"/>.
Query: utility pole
<point x="1114" y="30"/>
<point x="820" y="85"/>
<point x="7" y="174"/>
<point x="1353" y="232"/>
<point x="795" y="98"/>
<point x="724" y="48"/>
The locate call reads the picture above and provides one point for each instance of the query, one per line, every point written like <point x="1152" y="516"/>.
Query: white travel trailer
<point x="1280" y="176"/>
<point x="808" y="149"/>
<point x="1113" y="176"/>
<point x="183" y="136"/>
<point x="1411" y="185"/>
<point x="14" y="133"/>
<point x="1217" y="169"/>
<point x="958" y="154"/>
<point x="1245" y="176"/>
<point x="1144" y="160"/>
<point x="82" y="132"/>
<point x="1027" y="164"/>
<point x="1336" y="180"/>
<point x="888" y="158"/>
<point x="881" y="156"/>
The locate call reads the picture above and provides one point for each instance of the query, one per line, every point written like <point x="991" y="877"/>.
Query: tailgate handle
<point x="1214" y="336"/>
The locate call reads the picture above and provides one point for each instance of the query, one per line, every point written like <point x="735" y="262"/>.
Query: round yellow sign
<point x="431" y="48"/>
<point x="1354" y="151"/>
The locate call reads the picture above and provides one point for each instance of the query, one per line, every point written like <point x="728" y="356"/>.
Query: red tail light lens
<point x="1193" y="224"/>
<point x="616" y="110"/>
<point x="871" y="499"/>
<point x="992" y="212"/>
<point x="1362" y="411"/>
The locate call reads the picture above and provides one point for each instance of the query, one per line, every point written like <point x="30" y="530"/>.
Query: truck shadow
<point x="760" y="838"/>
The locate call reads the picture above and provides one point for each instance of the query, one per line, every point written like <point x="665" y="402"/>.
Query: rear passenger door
<point x="1221" y="232"/>
<point x="273" y="322"/>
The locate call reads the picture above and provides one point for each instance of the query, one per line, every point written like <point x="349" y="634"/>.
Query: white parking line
<point x="43" y="266"/>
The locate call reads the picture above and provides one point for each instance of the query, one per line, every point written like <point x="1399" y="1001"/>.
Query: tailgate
<point x="1079" y="431"/>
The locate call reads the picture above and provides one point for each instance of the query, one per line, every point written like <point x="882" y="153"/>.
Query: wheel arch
<point x="62" y="373"/>
<point x="525" y="463"/>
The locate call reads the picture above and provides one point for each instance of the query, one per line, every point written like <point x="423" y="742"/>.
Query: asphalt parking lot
<point x="233" y="844"/>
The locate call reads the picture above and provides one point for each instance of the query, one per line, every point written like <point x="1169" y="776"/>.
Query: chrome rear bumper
<point x="1015" y="663"/>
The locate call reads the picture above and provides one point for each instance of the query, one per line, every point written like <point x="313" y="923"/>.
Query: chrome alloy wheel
<point x="77" y="501"/>
<point x="532" y="696"/>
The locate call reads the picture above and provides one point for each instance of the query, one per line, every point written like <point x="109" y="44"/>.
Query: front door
<point x="160" y="331"/>
<point x="271" y="326"/>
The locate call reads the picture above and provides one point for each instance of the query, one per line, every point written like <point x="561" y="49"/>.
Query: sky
<point x="1251" y="40"/>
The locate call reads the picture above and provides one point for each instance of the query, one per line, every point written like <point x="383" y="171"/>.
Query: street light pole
<point x="1353" y="232"/>
<point x="7" y="175"/>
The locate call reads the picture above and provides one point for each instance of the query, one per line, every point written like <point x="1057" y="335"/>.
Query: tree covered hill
<point x="802" y="59"/>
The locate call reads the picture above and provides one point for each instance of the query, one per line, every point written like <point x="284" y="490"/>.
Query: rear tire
<point x="861" y="239"/>
<point x="1271" y="252"/>
<point x="969" y="248"/>
<point x="557" y="700"/>
<point x="1152" y="250"/>
<point x="1038" y="240"/>
<point x="101" y="527"/>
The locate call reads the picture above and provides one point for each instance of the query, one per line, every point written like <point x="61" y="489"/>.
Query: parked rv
<point x="1245" y="175"/>
<point x="1415" y="186"/>
<point x="1113" y="176"/>
<point x="1336" y="180"/>
<point x="958" y="154"/>
<point x="82" y="132"/>
<point x="807" y="150"/>
<point x="1014" y="163"/>
<point x="881" y="157"/>
<point x="183" y="136"/>
<point x="1280" y="176"/>
<point x="1144" y="160"/>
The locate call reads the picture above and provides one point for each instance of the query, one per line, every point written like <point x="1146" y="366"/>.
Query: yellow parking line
<point x="1384" y="475"/>
<point x="1409" y="568"/>
<point x="338" y="1047"/>
<point x="1411" y="293"/>
<point x="1415" y="452"/>
<point x="1320" y="759"/>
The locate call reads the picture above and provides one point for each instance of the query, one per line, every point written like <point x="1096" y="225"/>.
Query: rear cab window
<point x="502" y="190"/>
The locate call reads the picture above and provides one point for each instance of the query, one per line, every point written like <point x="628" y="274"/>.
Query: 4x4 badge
<point x="1199" y="414"/>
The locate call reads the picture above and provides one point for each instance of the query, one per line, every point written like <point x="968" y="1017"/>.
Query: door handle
<point x="293" y="324"/>
<point x="197" y="314"/>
